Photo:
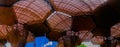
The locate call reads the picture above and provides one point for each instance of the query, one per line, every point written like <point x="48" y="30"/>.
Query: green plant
<point x="82" y="45"/>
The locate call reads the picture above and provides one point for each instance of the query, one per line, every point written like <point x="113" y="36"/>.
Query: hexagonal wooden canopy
<point x="31" y="11"/>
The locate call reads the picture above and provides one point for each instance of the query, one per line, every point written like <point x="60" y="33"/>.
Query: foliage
<point x="82" y="45"/>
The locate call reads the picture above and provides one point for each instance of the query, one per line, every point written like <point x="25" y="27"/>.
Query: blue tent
<point x="29" y="44"/>
<point x="40" y="42"/>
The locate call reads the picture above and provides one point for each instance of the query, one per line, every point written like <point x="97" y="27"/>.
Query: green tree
<point x="82" y="45"/>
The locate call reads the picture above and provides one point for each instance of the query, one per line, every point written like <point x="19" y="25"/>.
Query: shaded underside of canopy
<point x="7" y="2"/>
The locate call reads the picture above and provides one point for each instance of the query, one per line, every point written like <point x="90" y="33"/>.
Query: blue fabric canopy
<point x="41" y="42"/>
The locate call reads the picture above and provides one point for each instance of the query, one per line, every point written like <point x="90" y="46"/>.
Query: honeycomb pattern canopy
<point x="58" y="13"/>
<point x="37" y="11"/>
